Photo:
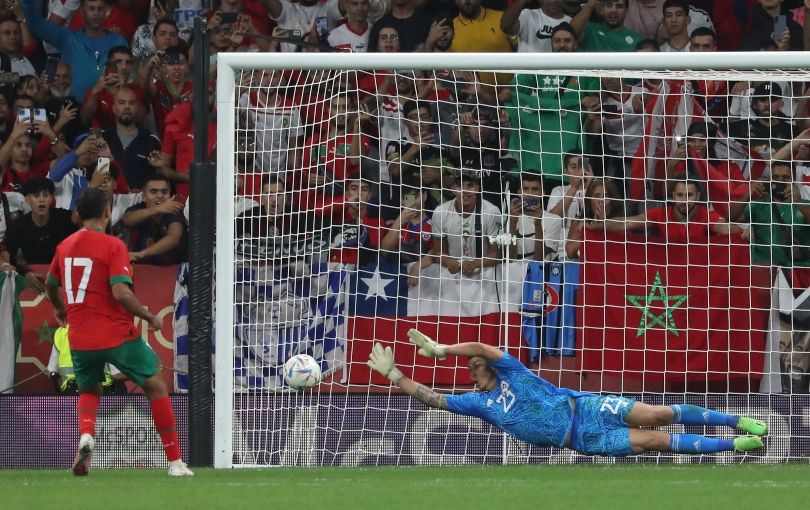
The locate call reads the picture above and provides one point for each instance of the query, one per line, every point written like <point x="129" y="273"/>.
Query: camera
<point x="50" y="68"/>
<point x="778" y="190"/>
<point x="170" y="59"/>
<point x="290" y="35"/>
<point x="228" y="18"/>
<point x="24" y="115"/>
<point x="103" y="165"/>
<point x="9" y="78"/>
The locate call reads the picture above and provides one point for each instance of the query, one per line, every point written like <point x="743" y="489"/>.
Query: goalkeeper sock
<point x="693" y="443"/>
<point x="87" y="408"/>
<point x="694" y="415"/>
<point x="163" y="417"/>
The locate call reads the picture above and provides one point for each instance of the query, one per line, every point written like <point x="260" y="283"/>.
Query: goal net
<point x="632" y="230"/>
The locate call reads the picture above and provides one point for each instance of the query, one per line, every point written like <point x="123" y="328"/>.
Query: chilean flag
<point x="488" y="307"/>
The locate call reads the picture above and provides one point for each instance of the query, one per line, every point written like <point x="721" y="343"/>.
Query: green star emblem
<point x="45" y="333"/>
<point x="665" y="319"/>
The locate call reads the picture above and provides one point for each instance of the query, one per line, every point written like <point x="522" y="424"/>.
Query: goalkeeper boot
<point x="81" y="464"/>
<point x="747" y="443"/>
<point x="179" y="468"/>
<point x="752" y="426"/>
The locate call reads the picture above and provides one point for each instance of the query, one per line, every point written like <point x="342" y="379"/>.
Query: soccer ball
<point x="302" y="372"/>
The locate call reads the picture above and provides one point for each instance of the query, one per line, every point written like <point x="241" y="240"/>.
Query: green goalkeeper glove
<point x="427" y="347"/>
<point x="381" y="360"/>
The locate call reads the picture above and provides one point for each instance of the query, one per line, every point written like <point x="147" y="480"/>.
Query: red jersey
<point x="697" y="227"/>
<point x="163" y="101"/>
<point x="352" y="236"/>
<point x="178" y="142"/>
<point x="86" y="265"/>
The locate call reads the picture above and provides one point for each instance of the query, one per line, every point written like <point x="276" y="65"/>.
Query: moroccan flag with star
<point x="673" y="312"/>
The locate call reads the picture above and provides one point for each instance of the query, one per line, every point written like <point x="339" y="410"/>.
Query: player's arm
<point x="55" y="297"/>
<point x="430" y="348"/>
<point x="382" y="361"/>
<point x="126" y="298"/>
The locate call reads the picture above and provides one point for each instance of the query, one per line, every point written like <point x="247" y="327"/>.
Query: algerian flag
<point x="11" y="321"/>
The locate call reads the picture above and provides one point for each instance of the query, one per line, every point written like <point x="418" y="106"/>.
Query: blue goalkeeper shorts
<point x="599" y="426"/>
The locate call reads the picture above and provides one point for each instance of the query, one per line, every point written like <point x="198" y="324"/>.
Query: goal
<point x="337" y="176"/>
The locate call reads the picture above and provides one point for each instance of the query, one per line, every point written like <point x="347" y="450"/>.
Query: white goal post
<point x="300" y="414"/>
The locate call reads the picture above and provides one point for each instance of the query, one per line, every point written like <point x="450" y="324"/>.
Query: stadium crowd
<point x="421" y="167"/>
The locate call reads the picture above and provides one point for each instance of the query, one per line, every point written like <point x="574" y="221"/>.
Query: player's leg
<point x="140" y="363"/>
<point x="645" y="415"/>
<point x="659" y="441"/>
<point x="88" y="366"/>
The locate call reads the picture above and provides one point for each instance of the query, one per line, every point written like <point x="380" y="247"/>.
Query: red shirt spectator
<point x="354" y="230"/>
<point x="676" y="229"/>
<point x="178" y="142"/>
<point x="353" y="237"/>
<point x="163" y="101"/>
<point x="104" y="117"/>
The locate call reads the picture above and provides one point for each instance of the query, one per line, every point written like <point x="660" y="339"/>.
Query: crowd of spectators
<point x="422" y="167"/>
<point x="453" y="158"/>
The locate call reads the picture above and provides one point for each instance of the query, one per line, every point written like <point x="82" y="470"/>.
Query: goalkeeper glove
<point x="427" y="347"/>
<point x="381" y="360"/>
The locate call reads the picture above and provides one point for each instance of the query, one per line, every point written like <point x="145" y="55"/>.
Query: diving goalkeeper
<point x="509" y="396"/>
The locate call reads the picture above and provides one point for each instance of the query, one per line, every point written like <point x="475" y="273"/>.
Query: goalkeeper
<point x="512" y="398"/>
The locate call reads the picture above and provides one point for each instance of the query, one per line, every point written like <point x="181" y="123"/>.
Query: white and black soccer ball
<point x="302" y="372"/>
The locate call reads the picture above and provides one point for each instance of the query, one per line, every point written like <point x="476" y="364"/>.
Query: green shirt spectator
<point x="547" y="120"/>
<point x="772" y="241"/>
<point x="609" y="34"/>
<point x="600" y="37"/>
<point x="780" y="222"/>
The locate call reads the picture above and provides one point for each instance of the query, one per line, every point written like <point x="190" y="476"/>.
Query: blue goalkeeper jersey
<point x="521" y="404"/>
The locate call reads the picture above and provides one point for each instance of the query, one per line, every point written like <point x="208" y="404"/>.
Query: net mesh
<point x="634" y="232"/>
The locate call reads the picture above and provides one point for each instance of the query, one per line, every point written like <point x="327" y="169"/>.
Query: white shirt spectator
<point x="120" y="203"/>
<point x="69" y="188"/>
<point x="275" y="126"/>
<point x="741" y="105"/>
<point x="553" y="235"/>
<point x="143" y="43"/>
<point x="665" y="47"/>
<point x="535" y="30"/>
<point x="392" y="129"/>
<point x="17" y="206"/>
<point x="577" y="204"/>
<point x="344" y="38"/>
<point x="302" y="17"/>
<point x="459" y="230"/>
<point x="698" y="18"/>
<point x="184" y="15"/>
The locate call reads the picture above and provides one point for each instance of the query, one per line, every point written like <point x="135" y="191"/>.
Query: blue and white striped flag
<point x="300" y="310"/>
<point x="180" y="324"/>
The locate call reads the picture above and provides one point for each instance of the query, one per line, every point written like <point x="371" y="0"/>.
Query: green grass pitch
<point x="625" y="487"/>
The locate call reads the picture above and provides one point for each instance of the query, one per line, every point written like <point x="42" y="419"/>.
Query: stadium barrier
<point x="154" y="287"/>
<point x="41" y="431"/>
